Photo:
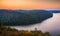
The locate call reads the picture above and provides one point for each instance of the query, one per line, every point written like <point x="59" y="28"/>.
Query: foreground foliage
<point x="7" y="31"/>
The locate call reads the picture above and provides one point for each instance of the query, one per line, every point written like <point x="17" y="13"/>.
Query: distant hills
<point x="23" y="17"/>
<point x="55" y="11"/>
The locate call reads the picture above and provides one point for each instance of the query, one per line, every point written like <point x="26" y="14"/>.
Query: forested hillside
<point x="23" y="17"/>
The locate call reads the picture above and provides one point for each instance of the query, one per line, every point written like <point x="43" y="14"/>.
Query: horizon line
<point x="30" y="9"/>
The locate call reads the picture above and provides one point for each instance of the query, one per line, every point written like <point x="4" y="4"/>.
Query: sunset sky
<point x="29" y="4"/>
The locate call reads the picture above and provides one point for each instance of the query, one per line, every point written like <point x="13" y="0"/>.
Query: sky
<point x="29" y="4"/>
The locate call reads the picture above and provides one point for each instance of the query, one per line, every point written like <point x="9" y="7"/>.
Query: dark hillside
<point x="23" y="17"/>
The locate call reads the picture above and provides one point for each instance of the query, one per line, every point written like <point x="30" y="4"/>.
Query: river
<point x="51" y="25"/>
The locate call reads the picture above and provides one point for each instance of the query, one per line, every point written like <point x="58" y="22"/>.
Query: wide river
<point x="51" y="25"/>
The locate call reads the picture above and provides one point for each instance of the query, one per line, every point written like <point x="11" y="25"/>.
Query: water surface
<point x="51" y="25"/>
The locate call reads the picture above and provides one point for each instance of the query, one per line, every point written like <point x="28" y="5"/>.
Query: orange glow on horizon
<point x="18" y="4"/>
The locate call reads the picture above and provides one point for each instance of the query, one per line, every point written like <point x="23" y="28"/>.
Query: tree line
<point x="7" y="31"/>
